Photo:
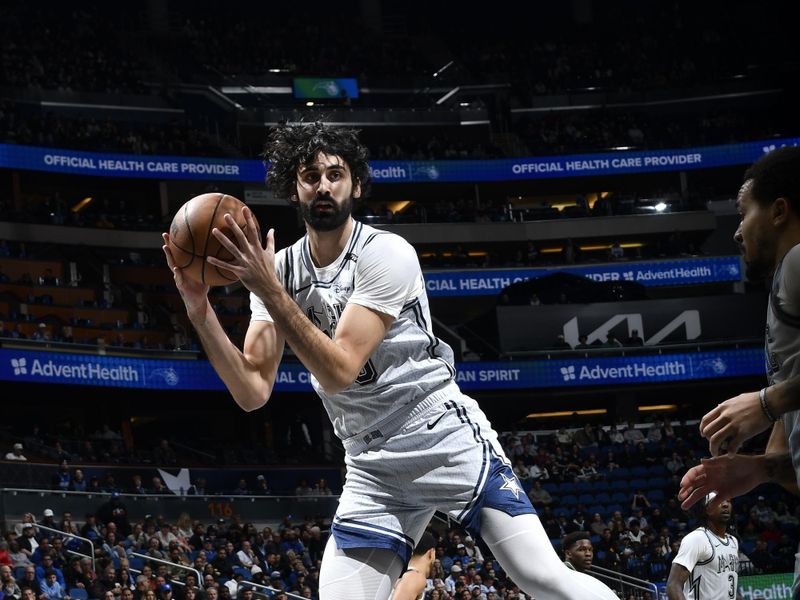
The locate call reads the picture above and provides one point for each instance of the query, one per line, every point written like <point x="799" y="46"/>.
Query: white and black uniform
<point x="713" y="565"/>
<point x="415" y="444"/>
<point x="782" y="343"/>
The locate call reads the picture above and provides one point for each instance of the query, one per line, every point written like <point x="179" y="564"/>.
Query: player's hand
<point x="253" y="263"/>
<point x="727" y="475"/>
<point x="193" y="293"/>
<point x="733" y="422"/>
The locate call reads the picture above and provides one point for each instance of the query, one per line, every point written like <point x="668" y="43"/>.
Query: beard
<point x="761" y="264"/>
<point x="327" y="219"/>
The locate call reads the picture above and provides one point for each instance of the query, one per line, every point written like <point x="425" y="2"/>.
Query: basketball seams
<point x="208" y="236"/>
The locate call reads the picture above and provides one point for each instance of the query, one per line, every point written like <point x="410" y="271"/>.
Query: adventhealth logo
<point x="84" y="370"/>
<point x="630" y="371"/>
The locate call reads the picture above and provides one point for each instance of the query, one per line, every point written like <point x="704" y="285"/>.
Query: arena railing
<point x="168" y="563"/>
<point x="626" y="584"/>
<point x="74" y="536"/>
<point x="271" y="590"/>
<point x="257" y="509"/>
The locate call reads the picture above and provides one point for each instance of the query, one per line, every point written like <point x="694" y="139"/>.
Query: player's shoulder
<point x="384" y="243"/>
<point x="696" y="536"/>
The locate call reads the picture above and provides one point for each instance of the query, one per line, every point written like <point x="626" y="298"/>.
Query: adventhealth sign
<point x="652" y="273"/>
<point x="63" y="368"/>
<point x="382" y="171"/>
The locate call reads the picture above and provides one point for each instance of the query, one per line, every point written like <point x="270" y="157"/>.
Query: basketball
<point x="191" y="241"/>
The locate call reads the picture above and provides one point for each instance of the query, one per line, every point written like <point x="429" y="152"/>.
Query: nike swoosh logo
<point x="433" y="424"/>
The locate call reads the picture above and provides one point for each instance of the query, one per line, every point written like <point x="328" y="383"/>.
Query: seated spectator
<point x="51" y="588"/>
<point x="633" y="435"/>
<point x="675" y="464"/>
<point x="78" y="482"/>
<point x="612" y="341"/>
<point x="16" y="453"/>
<point x="8" y="585"/>
<point x="262" y="487"/>
<point x="634" y="339"/>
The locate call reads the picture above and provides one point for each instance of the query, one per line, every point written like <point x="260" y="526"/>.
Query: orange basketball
<point x="191" y="241"/>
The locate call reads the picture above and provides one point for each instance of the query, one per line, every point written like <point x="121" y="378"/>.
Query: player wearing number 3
<point x="707" y="563"/>
<point x="350" y="301"/>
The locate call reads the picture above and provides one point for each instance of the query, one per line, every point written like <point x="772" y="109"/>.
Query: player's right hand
<point x="727" y="475"/>
<point x="733" y="422"/>
<point x="193" y="293"/>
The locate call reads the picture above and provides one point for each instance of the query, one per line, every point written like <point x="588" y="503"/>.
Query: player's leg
<point x="357" y="573"/>
<point x="521" y="546"/>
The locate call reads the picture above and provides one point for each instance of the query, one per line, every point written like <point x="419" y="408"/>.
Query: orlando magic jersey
<point x="378" y="270"/>
<point x="713" y="565"/>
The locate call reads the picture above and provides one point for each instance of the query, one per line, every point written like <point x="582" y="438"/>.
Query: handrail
<point x="215" y="495"/>
<point x="171" y="564"/>
<point x="72" y="535"/>
<point x="270" y="589"/>
<point x="625" y="579"/>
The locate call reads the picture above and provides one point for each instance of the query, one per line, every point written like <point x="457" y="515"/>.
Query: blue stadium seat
<point x="619" y="497"/>
<point x="78" y="594"/>
<point x="621" y="473"/>
<point x="135" y="563"/>
<point x="638" y="484"/>
<point x="639" y="472"/>
<point x="601" y="485"/>
<point x="602" y="497"/>
<point x="597" y="508"/>
<point x="656" y="496"/>
<point x="569" y="500"/>
<point x="586" y="498"/>
<point x="567" y="487"/>
<point x="657" y="471"/>
<point x="612" y="508"/>
<point x="657" y="482"/>
<point x="583" y="486"/>
<point x="562" y="511"/>
<point x="550" y="487"/>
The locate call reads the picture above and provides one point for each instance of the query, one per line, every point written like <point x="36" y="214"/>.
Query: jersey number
<point x="732" y="581"/>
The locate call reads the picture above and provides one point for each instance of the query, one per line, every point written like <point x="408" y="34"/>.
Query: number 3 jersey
<point x="380" y="271"/>
<point x="713" y="565"/>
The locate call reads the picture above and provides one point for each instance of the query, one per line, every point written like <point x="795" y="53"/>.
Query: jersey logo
<point x="368" y="374"/>
<point x="510" y="484"/>
<point x="432" y="424"/>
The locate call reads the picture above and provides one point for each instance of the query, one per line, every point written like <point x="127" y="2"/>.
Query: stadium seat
<point x="550" y="487"/>
<point x="657" y="482"/>
<point x="602" y="497"/>
<point x="639" y="472"/>
<point x="566" y="487"/>
<point x="583" y="486"/>
<point x="569" y="500"/>
<point x="637" y="484"/>
<point x="655" y="496"/>
<point x="601" y="485"/>
<point x="78" y="594"/>
<point x="597" y="508"/>
<point x="612" y="508"/>
<point x="619" y="497"/>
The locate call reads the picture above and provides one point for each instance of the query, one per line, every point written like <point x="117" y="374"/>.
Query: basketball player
<point x="350" y="301"/>
<point x="578" y="551"/>
<point x="769" y="237"/>
<point x="706" y="566"/>
<point x="413" y="581"/>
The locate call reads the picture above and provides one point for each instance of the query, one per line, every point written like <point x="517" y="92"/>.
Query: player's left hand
<point x="253" y="263"/>
<point x="727" y="475"/>
<point x="733" y="422"/>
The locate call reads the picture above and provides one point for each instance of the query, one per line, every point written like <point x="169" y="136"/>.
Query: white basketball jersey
<point x="379" y="270"/>
<point x="713" y="565"/>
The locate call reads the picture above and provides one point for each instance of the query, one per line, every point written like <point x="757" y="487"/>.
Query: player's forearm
<point x="779" y="469"/>
<point x="331" y="364"/>
<point x="784" y="397"/>
<point x="240" y="376"/>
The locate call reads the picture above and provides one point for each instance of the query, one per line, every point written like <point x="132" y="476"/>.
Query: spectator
<point x="16" y="453"/>
<point x="634" y="339"/>
<point x="51" y="588"/>
<point x="633" y="435"/>
<point x="78" y="482"/>
<point x="8" y="585"/>
<point x="578" y="551"/>
<point x="612" y="341"/>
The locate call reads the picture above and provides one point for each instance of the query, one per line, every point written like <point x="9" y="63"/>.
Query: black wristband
<point x="762" y="397"/>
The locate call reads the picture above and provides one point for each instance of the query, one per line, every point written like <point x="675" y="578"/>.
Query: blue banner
<point x="163" y="374"/>
<point x="383" y="171"/>
<point x="685" y="271"/>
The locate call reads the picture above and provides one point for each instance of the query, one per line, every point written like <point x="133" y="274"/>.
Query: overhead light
<point x="568" y="413"/>
<point x="310" y="103"/>
<point x="82" y="204"/>
<point x="660" y="207"/>
<point x="652" y="407"/>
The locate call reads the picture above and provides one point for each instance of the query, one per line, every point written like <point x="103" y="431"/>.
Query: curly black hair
<point x="290" y="146"/>
<point x="777" y="175"/>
